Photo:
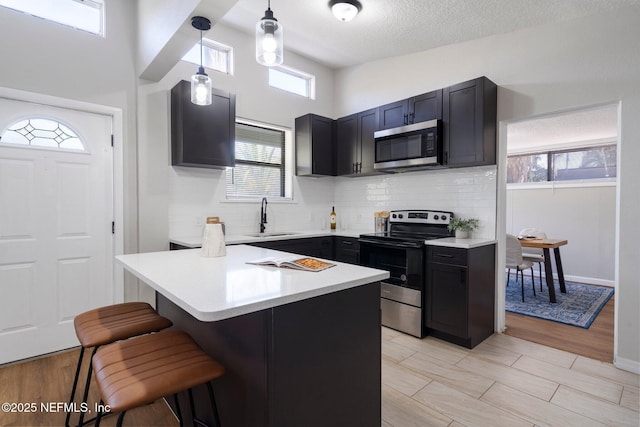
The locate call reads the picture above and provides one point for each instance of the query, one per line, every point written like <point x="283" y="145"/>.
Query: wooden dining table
<point x="546" y="245"/>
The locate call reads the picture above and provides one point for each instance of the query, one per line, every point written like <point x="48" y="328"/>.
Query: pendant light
<point x="200" y="81"/>
<point x="269" y="49"/>
<point x="345" y="10"/>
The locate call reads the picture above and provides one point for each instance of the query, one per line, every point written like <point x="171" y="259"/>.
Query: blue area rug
<point x="578" y="307"/>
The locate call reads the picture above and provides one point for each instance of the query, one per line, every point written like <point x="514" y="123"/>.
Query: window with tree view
<point x="260" y="165"/>
<point x="563" y="165"/>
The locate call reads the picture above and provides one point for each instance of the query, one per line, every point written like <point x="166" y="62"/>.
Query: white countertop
<point x="235" y="239"/>
<point x="452" y="242"/>
<point x="212" y="289"/>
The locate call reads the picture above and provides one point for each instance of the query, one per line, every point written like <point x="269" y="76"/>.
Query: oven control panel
<point x="421" y="217"/>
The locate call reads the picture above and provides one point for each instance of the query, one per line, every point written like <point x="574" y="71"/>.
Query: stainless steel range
<point x="402" y="252"/>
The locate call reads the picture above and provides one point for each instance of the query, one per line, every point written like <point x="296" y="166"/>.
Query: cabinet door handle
<point x="406" y="119"/>
<point x="444" y="255"/>
<point x="347" y="243"/>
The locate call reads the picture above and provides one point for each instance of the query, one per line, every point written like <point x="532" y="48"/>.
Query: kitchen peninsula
<point x="300" y="348"/>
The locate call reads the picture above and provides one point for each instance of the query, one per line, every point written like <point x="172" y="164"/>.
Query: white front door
<point x="56" y="213"/>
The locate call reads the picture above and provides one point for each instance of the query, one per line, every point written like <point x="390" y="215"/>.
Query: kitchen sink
<point x="271" y="234"/>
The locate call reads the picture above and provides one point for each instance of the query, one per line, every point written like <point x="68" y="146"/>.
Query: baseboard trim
<point x="627" y="364"/>
<point x="579" y="279"/>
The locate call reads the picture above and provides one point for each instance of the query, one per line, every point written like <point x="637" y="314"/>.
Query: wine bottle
<point x="332" y="218"/>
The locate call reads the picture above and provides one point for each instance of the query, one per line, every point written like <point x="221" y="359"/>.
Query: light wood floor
<point x="504" y="381"/>
<point x="595" y="342"/>
<point x="47" y="380"/>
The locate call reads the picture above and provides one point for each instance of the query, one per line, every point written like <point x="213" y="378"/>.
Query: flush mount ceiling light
<point x="345" y="10"/>
<point x="200" y="81"/>
<point x="269" y="49"/>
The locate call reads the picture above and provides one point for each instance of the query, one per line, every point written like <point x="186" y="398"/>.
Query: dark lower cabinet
<point x="202" y="135"/>
<point x="321" y="247"/>
<point x="311" y="363"/>
<point x="469" y="112"/>
<point x="347" y="249"/>
<point x="460" y="298"/>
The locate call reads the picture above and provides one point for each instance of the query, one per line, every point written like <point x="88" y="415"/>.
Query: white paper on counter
<point x="213" y="244"/>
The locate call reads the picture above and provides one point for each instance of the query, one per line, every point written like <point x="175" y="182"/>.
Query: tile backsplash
<point x="197" y="193"/>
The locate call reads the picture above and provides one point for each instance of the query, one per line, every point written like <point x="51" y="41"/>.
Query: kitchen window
<point x="293" y="81"/>
<point x="215" y="56"/>
<point x="85" y="15"/>
<point x="261" y="169"/>
<point x="584" y="163"/>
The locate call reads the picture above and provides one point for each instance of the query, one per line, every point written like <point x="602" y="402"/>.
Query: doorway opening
<point x="561" y="179"/>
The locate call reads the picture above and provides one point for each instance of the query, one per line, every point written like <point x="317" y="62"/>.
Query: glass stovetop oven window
<point x="405" y="265"/>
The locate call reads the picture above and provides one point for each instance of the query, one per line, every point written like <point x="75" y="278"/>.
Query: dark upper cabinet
<point x="367" y="125"/>
<point x="420" y="108"/>
<point x="355" y="149"/>
<point x="202" y="135"/>
<point x="469" y="122"/>
<point x="315" y="150"/>
<point x="347" y="145"/>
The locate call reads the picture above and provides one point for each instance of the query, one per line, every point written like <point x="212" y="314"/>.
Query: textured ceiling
<point x="386" y="28"/>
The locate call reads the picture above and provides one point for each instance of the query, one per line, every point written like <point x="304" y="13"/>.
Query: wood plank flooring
<point x="595" y="342"/>
<point x="504" y="381"/>
<point x="47" y="380"/>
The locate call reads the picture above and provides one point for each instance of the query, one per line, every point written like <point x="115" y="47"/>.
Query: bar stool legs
<point x="196" y="421"/>
<point x="87" y="385"/>
<point x="106" y="325"/>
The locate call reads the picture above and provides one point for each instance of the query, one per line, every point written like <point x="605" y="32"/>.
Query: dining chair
<point x="515" y="260"/>
<point x="535" y="255"/>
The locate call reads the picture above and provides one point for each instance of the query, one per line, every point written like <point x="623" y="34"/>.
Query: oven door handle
<point x="409" y="245"/>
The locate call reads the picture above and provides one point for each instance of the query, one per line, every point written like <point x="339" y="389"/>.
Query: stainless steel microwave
<point x="408" y="147"/>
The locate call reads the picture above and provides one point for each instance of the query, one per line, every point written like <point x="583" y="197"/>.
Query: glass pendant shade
<point x="269" y="44"/>
<point x="200" y="81"/>
<point x="201" y="88"/>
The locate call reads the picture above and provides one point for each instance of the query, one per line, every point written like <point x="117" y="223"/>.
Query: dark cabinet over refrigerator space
<point x="202" y="135"/>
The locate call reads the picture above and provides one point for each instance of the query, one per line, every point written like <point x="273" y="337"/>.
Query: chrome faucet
<point x="263" y="214"/>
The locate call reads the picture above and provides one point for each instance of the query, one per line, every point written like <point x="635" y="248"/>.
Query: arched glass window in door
<point x="43" y="133"/>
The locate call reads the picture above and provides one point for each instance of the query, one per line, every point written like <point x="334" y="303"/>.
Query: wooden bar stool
<point x="143" y="369"/>
<point x="106" y="325"/>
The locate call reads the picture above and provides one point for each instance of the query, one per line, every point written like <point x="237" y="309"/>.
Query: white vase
<point x="462" y="234"/>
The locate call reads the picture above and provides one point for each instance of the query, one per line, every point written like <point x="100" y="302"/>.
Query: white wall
<point x="585" y="216"/>
<point x="551" y="68"/>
